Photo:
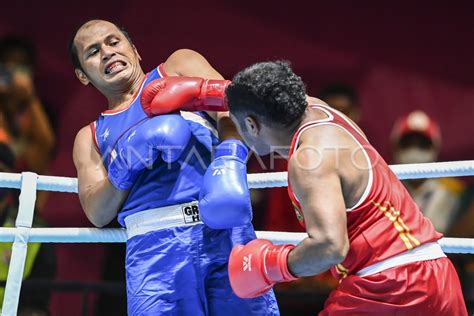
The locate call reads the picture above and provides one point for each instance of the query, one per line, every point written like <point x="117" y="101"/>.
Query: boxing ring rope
<point x="118" y="235"/>
<point x="29" y="183"/>
<point x="267" y="180"/>
<point x="403" y="172"/>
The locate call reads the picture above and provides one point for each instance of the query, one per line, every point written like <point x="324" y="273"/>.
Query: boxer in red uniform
<point x="361" y="222"/>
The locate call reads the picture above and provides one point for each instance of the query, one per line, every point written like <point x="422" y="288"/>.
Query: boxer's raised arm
<point x="186" y="62"/>
<point x="317" y="186"/>
<point x="99" y="198"/>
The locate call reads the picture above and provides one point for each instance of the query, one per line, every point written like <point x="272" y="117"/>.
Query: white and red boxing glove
<point x="257" y="266"/>
<point x="168" y="94"/>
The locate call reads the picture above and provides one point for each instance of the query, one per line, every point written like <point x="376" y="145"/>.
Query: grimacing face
<point x="107" y="57"/>
<point x="254" y="140"/>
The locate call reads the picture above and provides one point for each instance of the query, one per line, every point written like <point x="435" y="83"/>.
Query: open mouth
<point x="114" y="67"/>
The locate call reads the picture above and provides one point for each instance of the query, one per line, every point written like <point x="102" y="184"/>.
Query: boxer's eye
<point x="92" y="53"/>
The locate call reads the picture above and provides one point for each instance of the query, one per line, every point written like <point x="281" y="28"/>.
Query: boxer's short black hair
<point x="73" y="49"/>
<point x="270" y="91"/>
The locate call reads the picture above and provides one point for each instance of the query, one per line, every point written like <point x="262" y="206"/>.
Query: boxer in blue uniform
<point x="148" y="172"/>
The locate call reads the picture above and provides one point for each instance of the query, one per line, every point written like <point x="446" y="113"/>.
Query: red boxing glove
<point x="168" y="94"/>
<point x="257" y="266"/>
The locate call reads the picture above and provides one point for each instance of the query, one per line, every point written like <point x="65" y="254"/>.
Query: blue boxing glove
<point x="224" y="200"/>
<point x="138" y="148"/>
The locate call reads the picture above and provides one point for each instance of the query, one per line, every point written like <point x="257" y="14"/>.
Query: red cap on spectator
<point x="417" y="122"/>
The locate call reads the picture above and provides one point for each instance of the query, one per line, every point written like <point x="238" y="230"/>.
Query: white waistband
<point x="163" y="217"/>
<point x="428" y="251"/>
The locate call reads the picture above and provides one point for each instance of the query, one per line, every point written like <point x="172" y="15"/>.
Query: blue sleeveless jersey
<point x="166" y="183"/>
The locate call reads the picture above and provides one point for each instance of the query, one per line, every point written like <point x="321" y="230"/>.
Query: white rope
<point x="268" y="180"/>
<point x="434" y="170"/>
<point x="119" y="235"/>
<point x="68" y="235"/>
<point x="403" y="172"/>
<point x="45" y="183"/>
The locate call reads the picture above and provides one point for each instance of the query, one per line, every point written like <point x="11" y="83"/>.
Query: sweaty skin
<point x="112" y="65"/>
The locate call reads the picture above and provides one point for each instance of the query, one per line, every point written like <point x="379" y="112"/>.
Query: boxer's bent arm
<point x="318" y="188"/>
<point x="99" y="198"/>
<point x="186" y="62"/>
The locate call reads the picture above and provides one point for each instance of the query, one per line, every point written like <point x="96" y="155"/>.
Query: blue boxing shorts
<point x="176" y="265"/>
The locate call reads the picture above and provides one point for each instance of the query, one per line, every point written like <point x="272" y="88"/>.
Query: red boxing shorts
<point x="428" y="287"/>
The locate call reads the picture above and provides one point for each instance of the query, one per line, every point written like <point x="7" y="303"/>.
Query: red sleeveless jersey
<point x="386" y="221"/>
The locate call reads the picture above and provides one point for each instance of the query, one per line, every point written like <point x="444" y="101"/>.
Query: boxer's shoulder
<point x="84" y="134"/>
<point x="322" y="149"/>
<point x="325" y="136"/>
<point x="184" y="62"/>
<point x="315" y="101"/>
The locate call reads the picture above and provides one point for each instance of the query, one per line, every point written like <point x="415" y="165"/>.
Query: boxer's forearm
<point x="101" y="202"/>
<point x="313" y="256"/>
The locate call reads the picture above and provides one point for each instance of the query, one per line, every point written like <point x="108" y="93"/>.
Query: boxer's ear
<point x="136" y="53"/>
<point x="82" y="77"/>
<point x="252" y="126"/>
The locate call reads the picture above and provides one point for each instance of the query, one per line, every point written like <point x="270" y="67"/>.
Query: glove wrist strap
<point x="232" y="147"/>
<point x="277" y="263"/>
<point x="212" y="96"/>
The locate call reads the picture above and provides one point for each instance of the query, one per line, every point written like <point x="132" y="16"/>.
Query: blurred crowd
<point x="27" y="143"/>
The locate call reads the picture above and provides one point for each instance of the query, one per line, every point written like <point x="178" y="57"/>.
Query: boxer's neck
<point x="122" y="96"/>
<point x="283" y="137"/>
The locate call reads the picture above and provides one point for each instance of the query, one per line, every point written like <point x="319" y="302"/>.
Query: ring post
<point x="23" y="224"/>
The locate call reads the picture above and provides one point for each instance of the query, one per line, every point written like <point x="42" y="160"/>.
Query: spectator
<point x="416" y="138"/>
<point x="28" y="140"/>
<point x="21" y="113"/>
<point x="343" y="98"/>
